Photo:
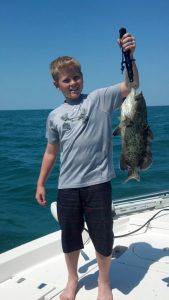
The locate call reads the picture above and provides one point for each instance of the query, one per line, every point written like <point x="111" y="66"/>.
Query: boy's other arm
<point x="48" y="161"/>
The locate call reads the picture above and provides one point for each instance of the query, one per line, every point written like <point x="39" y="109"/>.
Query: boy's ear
<point x="56" y="84"/>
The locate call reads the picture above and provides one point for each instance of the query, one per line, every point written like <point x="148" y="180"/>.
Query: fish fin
<point x="146" y="162"/>
<point x="123" y="165"/>
<point x="150" y="134"/>
<point x="133" y="174"/>
<point x="117" y="131"/>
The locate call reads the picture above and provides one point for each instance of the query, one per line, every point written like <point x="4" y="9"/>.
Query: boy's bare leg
<point x="104" y="289"/>
<point x="69" y="293"/>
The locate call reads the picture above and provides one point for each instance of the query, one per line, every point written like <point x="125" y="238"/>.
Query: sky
<point x="35" y="32"/>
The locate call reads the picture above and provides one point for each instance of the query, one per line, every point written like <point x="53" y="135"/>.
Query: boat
<point x="140" y="257"/>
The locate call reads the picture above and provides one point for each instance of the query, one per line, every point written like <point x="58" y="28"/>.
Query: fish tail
<point x="133" y="174"/>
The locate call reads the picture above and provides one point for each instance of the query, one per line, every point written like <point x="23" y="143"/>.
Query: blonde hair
<point x="61" y="63"/>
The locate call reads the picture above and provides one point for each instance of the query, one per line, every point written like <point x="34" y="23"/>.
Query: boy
<point x="81" y="129"/>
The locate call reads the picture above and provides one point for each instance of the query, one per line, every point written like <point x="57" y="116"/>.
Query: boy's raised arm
<point x="48" y="161"/>
<point x="127" y="42"/>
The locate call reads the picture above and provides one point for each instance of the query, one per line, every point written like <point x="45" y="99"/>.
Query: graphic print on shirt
<point x="68" y="120"/>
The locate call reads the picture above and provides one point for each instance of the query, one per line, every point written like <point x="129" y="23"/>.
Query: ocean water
<point x="22" y="144"/>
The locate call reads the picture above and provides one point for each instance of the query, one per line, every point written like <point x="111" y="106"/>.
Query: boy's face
<point x="70" y="83"/>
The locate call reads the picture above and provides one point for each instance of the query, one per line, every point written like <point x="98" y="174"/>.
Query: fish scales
<point x="136" y="136"/>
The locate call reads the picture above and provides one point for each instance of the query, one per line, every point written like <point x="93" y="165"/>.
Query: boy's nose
<point x="72" y="81"/>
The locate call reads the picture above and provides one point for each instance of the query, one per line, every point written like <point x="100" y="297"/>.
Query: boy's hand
<point x="127" y="42"/>
<point x="41" y="195"/>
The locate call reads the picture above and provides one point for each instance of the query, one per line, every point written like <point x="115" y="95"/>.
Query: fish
<point x="136" y="136"/>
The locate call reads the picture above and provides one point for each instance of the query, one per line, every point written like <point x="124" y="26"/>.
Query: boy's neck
<point x="74" y="101"/>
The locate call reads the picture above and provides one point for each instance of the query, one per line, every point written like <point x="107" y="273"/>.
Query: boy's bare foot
<point x="69" y="293"/>
<point x="104" y="292"/>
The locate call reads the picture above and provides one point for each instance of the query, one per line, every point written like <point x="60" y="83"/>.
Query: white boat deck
<point x="139" y="268"/>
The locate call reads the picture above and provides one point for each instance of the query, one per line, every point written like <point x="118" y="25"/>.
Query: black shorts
<point x="92" y="204"/>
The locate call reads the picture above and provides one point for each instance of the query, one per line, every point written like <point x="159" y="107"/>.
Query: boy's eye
<point x="76" y="78"/>
<point x="66" y="80"/>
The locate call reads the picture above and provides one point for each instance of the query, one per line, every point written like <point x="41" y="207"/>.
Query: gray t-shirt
<point x="83" y="130"/>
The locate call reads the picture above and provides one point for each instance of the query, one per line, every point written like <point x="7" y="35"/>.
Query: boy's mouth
<point x="74" y="90"/>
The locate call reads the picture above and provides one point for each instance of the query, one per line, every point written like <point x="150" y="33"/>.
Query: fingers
<point x="40" y="196"/>
<point x="41" y="200"/>
<point x="127" y="42"/>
